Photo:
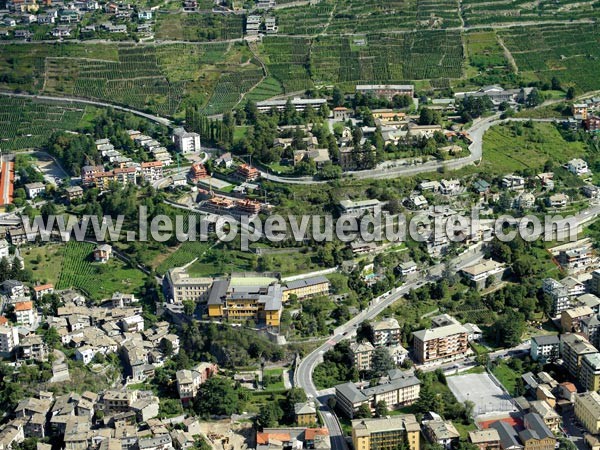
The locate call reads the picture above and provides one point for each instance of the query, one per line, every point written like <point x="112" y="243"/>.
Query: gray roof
<point x="306" y="282"/>
<point x="351" y="392"/>
<point x="536" y="428"/>
<point x="530" y="380"/>
<point x="508" y="436"/>
<point x="217" y="292"/>
<point x="550" y="339"/>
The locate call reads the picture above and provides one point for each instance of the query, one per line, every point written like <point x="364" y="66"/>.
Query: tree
<point x="269" y="415"/>
<point x="364" y="412"/>
<point x="426" y="400"/>
<point x="381" y="409"/>
<point x="534" y="99"/>
<point x="509" y="328"/>
<point x="570" y="93"/>
<point x="382" y="362"/>
<point x="337" y="97"/>
<point x="217" y="396"/>
<point x="166" y="346"/>
<point x="188" y="307"/>
<point x="555" y="84"/>
<point x="51" y="337"/>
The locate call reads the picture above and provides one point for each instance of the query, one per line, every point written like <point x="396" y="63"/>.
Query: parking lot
<point x="482" y="391"/>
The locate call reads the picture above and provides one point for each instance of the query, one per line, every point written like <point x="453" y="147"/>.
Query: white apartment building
<point x="186" y="142"/>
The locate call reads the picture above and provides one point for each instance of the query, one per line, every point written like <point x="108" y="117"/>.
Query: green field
<point x="504" y="150"/>
<point x="70" y="265"/>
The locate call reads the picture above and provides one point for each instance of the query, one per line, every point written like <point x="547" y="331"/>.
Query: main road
<point x="306" y="367"/>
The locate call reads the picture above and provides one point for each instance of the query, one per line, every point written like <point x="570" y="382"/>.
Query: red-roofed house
<point x="42" y="290"/>
<point x="567" y="390"/>
<point x="25" y="312"/>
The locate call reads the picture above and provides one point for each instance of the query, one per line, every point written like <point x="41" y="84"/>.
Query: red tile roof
<point x="23" y="306"/>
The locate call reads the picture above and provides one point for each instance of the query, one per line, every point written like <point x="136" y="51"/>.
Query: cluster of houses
<point x="587" y="115"/>
<point x="25" y="16"/>
<point x="112" y="419"/>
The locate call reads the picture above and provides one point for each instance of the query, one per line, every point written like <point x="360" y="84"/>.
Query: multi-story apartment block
<point x="587" y="411"/>
<point x="401" y="390"/>
<point x="595" y="282"/>
<point x="180" y="286"/>
<point x="559" y="295"/>
<point x="487" y="439"/>
<point x="309" y="287"/>
<point x="388" y="91"/>
<point x="386" y="433"/>
<point x="26" y="314"/>
<point x="186" y="142"/>
<point x="545" y="348"/>
<point x="246" y="297"/>
<point x="590" y="328"/>
<point x="570" y="319"/>
<point x="589" y="375"/>
<point x="573" y="348"/>
<point x="116" y="401"/>
<point x="152" y="170"/>
<point x="9" y="339"/>
<point x="362" y="354"/>
<point x="443" y="341"/>
<point x="551" y="417"/>
<point x="386" y="332"/>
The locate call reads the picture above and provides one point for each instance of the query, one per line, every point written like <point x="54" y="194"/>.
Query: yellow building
<point x="386" y="433"/>
<point x="306" y="414"/>
<point x="309" y="287"/>
<point x="589" y="375"/>
<point x="587" y="411"/>
<point x="243" y="298"/>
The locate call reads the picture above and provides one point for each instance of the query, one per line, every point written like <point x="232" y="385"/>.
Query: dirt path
<point x="507" y="54"/>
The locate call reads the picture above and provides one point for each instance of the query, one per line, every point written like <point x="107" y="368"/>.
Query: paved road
<point x="303" y="375"/>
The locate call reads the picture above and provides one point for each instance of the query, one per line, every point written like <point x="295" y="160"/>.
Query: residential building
<point x="308" y="287"/>
<point x="449" y="187"/>
<point x="296" y="437"/>
<point x="102" y="253"/>
<point x="389" y="91"/>
<point x="299" y="104"/>
<point x="509" y="439"/>
<point x="386" y="332"/>
<point x="305" y="414"/>
<point x="116" y="401"/>
<point x="180" y="286"/>
<point x="407" y="268"/>
<point x="13" y="289"/>
<point x="573" y="348"/>
<point x="445" y="341"/>
<point x="399" y="389"/>
<point x="590" y="328"/>
<point x="513" y="182"/>
<point x="589" y="375"/>
<point x="26" y="315"/>
<point x="589" y="300"/>
<point x="387" y="432"/>
<point x="152" y="170"/>
<point x="578" y="166"/>
<point x="360" y="207"/>
<point x="545" y="348"/>
<point x="362" y="354"/>
<point x="580" y="111"/>
<point x="559" y="295"/>
<point x="486" y="439"/>
<point x="189" y="381"/>
<point x="9" y="339"/>
<point x="479" y="273"/>
<point x="74" y="193"/>
<point x="34" y="189"/>
<point x="186" y="142"/>
<point x="557" y="200"/>
<point x="441" y="432"/>
<point x="536" y="435"/>
<point x="587" y="411"/>
<point x="575" y="258"/>
<point x="42" y="289"/>
<point x="32" y="347"/>
<point x="547" y="413"/>
<point x="570" y="319"/>
<point x="247" y="173"/>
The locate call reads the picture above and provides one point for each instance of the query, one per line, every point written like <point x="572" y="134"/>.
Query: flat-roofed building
<point x="180" y="286"/>
<point x="573" y="348"/>
<point x="545" y="347"/>
<point x="587" y="411"/>
<point x="387" y="432"/>
<point x="570" y="319"/>
<point x="440" y="342"/>
<point x="389" y="91"/>
<point x="358" y="207"/>
<point x="479" y="273"/>
<point x="299" y="104"/>
<point x="589" y="374"/>
<point x="386" y="332"/>
<point x="487" y="439"/>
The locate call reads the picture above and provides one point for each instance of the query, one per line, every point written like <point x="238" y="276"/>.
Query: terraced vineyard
<point x="287" y="60"/>
<point x="268" y="88"/>
<point x="502" y="11"/>
<point x="28" y="124"/>
<point x="569" y="52"/>
<point x="366" y="16"/>
<point x="229" y="90"/>
<point x="184" y="254"/>
<point x="311" y="19"/>
<point x="388" y="58"/>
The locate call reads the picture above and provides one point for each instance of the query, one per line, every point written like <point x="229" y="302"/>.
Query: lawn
<point x="70" y="266"/>
<point x="515" y="146"/>
<point x="507" y="376"/>
<point x="274" y="379"/>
